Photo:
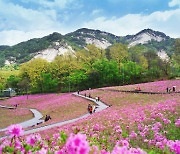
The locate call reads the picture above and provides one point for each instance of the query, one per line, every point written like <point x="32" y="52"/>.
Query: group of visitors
<point x="137" y="89"/>
<point x="91" y="108"/>
<point x="48" y="117"/>
<point x="89" y="95"/>
<point x="97" y="99"/>
<point x="169" y="89"/>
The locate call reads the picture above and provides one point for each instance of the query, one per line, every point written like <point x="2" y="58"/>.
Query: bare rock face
<point x="58" y="48"/>
<point x="144" y="36"/>
<point x="163" y="55"/>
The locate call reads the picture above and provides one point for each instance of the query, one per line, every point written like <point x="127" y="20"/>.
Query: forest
<point x="92" y="68"/>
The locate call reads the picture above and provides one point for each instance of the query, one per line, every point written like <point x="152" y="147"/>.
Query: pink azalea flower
<point x="14" y="130"/>
<point x="42" y="151"/>
<point x="177" y="122"/>
<point x="77" y="144"/>
<point x="133" y="135"/>
<point x="33" y="139"/>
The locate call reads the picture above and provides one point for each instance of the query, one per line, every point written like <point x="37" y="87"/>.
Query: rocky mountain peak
<point x="146" y="35"/>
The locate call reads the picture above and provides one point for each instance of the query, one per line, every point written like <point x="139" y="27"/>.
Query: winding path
<point x="28" y="123"/>
<point x="101" y="106"/>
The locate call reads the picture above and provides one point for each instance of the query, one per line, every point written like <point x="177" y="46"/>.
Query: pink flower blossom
<point x="33" y="139"/>
<point x="177" y="123"/>
<point x="133" y="135"/>
<point x="14" y="130"/>
<point x="77" y="144"/>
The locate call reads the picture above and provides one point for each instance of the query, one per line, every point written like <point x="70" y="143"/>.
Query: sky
<point x="21" y="20"/>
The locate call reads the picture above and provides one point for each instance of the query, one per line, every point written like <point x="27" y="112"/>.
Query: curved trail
<point x="101" y="106"/>
<point x="28" y="123"/>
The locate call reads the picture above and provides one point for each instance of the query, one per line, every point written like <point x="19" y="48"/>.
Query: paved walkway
<point x="28" y="123"/>
<point x="101" y="106"/>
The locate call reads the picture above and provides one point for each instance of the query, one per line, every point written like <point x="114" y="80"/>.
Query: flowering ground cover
<point x="158" y="86"/>
<point x="59" y="106"/>
<point x="135" y="123"/>
<point x="153" y="128"/>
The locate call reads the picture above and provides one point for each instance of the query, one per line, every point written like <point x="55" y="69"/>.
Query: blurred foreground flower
<point x="14" y="130"/>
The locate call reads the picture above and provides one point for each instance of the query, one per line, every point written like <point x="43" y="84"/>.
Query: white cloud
<point x="19" y="24"/>
<point x="18" y="18"/>
<point x="174" y="3"/>
<point x="167" y="22"/>
<point x="13" y="37"/>
<point x="96" y="11"/>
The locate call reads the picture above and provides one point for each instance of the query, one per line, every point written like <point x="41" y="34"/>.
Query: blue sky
<point x="21" y="20"/>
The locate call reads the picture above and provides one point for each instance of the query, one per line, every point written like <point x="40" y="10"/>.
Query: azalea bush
<point x="59" y="144"/>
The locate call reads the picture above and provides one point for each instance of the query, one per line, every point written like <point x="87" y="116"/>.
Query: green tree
<point x="107" y="72"/>
<point x="78" y="80"/>
<point x="90" y="55"/>
<point x="131" y="72"/>
<point x="12" y="81"/>
<point x="136" y="54"/>
<point x="32" y="71"/>
<point x="176" y="55"/>
<point x="119" y="53"/>
<point x="49" y="84"/>
<point x="24" y="85"/>
<point x="2" y="59"/>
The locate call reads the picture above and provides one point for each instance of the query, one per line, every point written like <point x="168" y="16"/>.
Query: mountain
<point x="146" y="35"/>
<point x="55" y="44"/>
<point x="154" y="40"/>
<point x="85" y="36"/>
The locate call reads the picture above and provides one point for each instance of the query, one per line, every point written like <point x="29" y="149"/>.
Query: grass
<point x="12" y="116"/>
<point x="59" y="106"/>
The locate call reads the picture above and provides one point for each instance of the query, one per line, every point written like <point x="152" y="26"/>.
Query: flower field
<point x="59" y="106"/>
<point x="158" y="86"/>
<point x="135" y="123"/>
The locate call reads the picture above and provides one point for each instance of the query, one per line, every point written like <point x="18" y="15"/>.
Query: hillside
<point x="55" y="44"/>
<point x="131" y="123"/>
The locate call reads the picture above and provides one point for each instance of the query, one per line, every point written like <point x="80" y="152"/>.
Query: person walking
<point x="94" y="109"/>
<point x="174" y="88"/>
<point x="167" y="89"/>
<point x="96" y="98"/>
<point x="89" y="108"/>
